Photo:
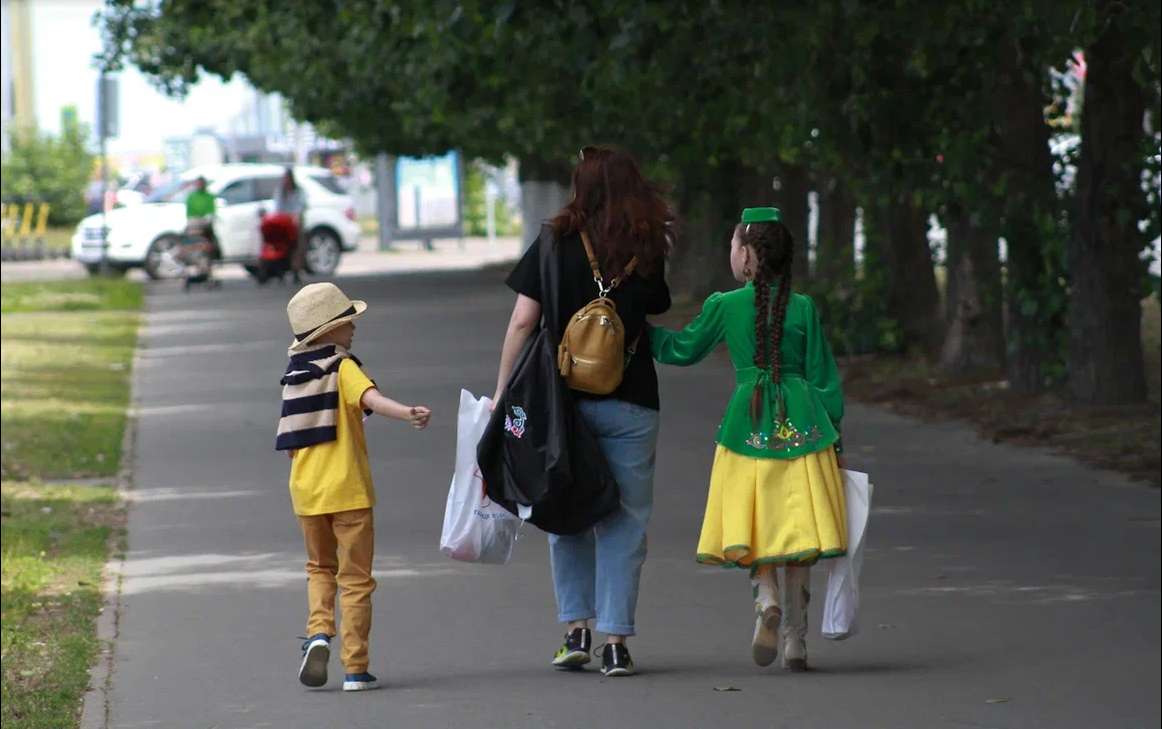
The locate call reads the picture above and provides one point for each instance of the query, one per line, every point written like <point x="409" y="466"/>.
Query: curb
<point x="95" y="709"/>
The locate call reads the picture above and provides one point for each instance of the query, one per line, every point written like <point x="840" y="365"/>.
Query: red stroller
<point x="279" y="233"/>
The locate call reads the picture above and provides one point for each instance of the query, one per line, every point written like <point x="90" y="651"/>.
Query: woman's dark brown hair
<point x="774" y="249"/>
<point x="624" y="212"/>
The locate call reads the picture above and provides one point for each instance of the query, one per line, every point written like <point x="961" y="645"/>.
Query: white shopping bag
<point x="839" y="610"/>
<point x="475" y="529"/>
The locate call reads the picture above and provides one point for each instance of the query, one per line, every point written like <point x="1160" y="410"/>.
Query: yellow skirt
<point x="767" y="510"/>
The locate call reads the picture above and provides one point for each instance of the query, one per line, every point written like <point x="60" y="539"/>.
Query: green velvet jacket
<point x="809" y="384"/>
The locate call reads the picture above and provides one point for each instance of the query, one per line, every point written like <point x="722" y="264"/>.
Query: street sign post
<point x="108" y="126"/>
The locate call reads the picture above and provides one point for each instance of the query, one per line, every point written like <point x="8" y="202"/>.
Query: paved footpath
<point x="1003" y="587"/>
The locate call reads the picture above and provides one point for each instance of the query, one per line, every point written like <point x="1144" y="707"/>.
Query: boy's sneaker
<point x="615" y="660"/>
<point x="360" y="682"/>
<point x="316" y="653"/>
<point x="575" y="652"/>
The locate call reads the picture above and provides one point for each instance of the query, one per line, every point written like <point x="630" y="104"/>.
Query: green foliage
<point x="40" y="167"/>
<point x="943" y="101"/>
<point x="854" y="315"/>
<point x="475" y="210"/>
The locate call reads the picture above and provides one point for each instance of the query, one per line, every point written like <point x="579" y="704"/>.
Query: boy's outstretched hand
<point x="419" y="417"/>
<point x="374" y="401"/>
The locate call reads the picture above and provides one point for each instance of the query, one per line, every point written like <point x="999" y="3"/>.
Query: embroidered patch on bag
<point x="515" y="423"/>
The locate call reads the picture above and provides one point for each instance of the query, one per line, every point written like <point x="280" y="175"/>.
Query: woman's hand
<point x="495" y="399"/>
<point x="841" y="460"/>
<point x="526" y="314"/>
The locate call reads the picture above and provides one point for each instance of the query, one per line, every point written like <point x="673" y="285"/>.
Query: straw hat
<point x="317" y="309"/>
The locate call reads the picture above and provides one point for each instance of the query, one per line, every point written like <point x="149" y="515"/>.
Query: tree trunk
<point x="1029" y="205"/>
<point x="1105" y="342"/>
<point x="791" y="197"/>
<point x="973" y="300"/>
<point x="913" y="299"/>
<point x="708" y="210"/>
<point x="544" y="190"/>
<point x="835" y="247"/>
<point x="756" y="189"/>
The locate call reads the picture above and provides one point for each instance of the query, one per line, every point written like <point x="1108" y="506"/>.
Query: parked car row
<point x="148" y="234"/>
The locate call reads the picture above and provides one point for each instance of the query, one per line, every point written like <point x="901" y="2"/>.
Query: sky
<point x="64" y="42"/>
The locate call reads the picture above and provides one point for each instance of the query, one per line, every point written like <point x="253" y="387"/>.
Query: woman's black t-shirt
<point x="636" y="298"/>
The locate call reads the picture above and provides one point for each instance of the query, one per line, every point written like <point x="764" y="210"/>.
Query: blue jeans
<point x="597" y="573"/>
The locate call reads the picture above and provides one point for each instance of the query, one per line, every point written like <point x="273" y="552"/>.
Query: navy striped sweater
<point x="310" y="397"/>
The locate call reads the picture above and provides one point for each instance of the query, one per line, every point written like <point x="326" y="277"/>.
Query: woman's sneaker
<point x="316" y="653"/>
<point x="574" y="654"/>
<point x="360" y="682"/>
<point x="615" y="660"/>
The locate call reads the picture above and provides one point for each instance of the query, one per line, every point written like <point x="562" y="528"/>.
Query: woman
<point x="596" y="574"/>
<point x="290" y="199"/>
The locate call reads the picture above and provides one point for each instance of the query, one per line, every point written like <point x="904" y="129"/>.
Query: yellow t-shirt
<point x="332" y="477"/>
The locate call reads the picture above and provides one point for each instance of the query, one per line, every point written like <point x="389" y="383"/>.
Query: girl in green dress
<point x="776" y="494"/>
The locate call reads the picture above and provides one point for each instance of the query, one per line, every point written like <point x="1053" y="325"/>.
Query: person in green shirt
<point x="200" y="208"/>
<point x="776" y="493"/>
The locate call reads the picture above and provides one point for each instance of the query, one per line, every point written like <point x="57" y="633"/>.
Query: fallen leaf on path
<point x="727" y="688"/>
<point x="886" y="626"/>
<point x="998" y="701"/>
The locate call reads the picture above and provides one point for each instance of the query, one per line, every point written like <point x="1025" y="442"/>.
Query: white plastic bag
<point x="475" y="529"/>
<point x="842" y="604"/>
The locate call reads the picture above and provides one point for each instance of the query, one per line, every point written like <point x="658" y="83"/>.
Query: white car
<point x="147" y="235"/>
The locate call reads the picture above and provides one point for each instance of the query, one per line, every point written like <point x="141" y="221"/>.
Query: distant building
<point x="17" y="80"/>
<point x="262" y="131"/>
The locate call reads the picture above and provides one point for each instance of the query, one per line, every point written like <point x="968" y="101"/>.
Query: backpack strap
<point x="596" y="268"/>
<point x="592" y="256"/>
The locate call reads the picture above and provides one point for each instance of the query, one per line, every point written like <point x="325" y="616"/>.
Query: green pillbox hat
<point x="760" y="215"/>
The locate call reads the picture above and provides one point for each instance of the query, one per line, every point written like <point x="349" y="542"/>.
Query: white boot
<point x="764" y="647"/>
<point x="797" y="582"/>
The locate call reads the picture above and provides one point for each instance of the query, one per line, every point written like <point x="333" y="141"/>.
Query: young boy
<point x="324" y="398"/>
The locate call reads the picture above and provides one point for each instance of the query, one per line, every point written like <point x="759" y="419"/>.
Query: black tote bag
<point x="537" y="450"/>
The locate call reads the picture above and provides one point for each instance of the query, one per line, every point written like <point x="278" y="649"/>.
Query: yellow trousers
<point x="340" y="548"/>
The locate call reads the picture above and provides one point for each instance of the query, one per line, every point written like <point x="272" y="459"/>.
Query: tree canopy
<point x="900" y="107"/>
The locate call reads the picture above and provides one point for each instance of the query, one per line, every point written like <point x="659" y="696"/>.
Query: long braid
<point x="778" y="318"/>
<point x="762" y="305"/>
<point x="773" y="247"/>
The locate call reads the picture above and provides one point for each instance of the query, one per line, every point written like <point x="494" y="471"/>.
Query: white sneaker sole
<point x="764" y="648"/>
<point x="313" y="671"/>
<point x="360" y="685"/>
<point x="573" y="661"/>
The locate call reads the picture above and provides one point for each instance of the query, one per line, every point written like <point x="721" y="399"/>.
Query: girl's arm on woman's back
<point x="692" y="344"/>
